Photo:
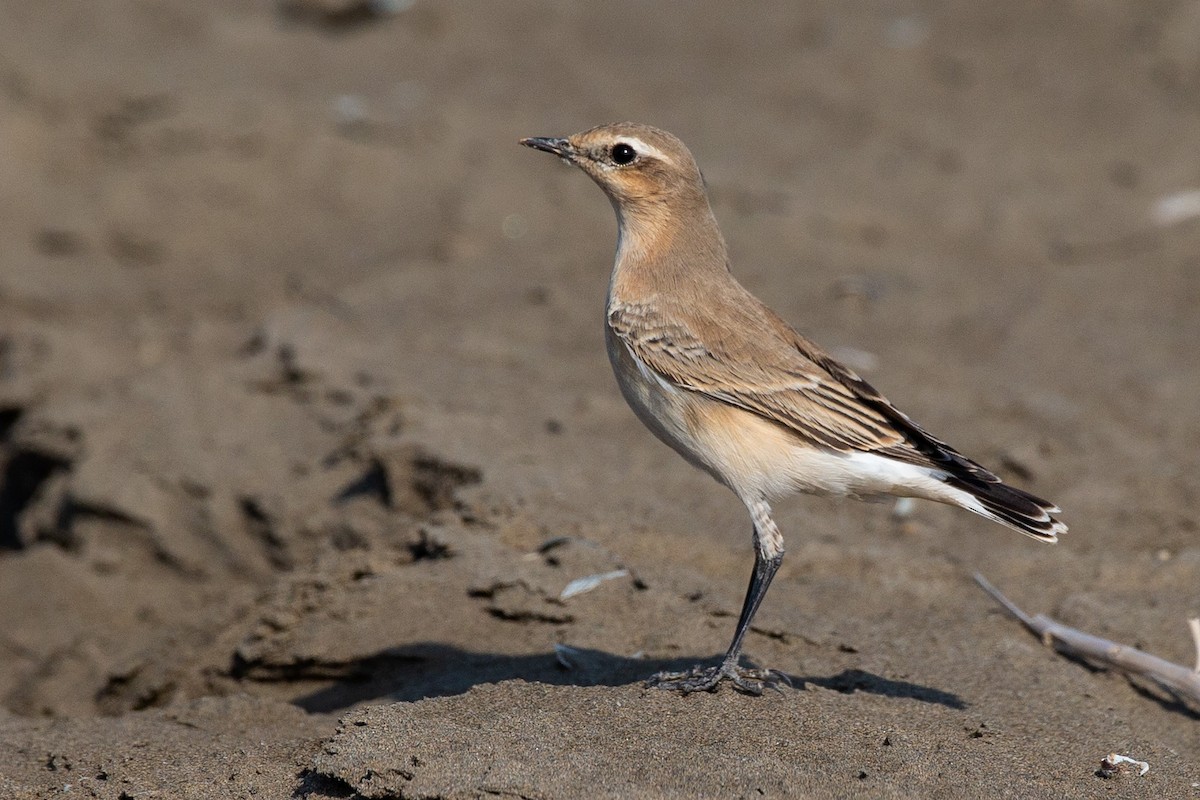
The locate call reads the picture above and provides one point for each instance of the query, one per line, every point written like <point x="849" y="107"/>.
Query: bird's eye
<point x="623" y="154"/>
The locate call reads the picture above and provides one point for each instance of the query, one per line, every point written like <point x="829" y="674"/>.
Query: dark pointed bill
<point x="559" y="147"/>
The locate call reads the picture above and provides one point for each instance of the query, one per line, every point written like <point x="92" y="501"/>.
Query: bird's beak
<point x="559" y="147"/>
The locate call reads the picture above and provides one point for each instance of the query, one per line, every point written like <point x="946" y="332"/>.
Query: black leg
<point x="768" y="555"/>
<point x="764" y="572"/>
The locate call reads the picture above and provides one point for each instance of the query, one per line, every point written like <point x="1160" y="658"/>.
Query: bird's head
<point x="636" y="165"/>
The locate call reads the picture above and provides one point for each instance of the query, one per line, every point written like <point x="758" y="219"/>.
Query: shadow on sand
<point x="429" y="669"/>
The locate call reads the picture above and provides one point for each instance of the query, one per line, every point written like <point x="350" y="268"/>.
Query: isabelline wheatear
<point x="733" y="389"/>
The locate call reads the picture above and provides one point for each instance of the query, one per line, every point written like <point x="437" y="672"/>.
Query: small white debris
<point x="1194" y="627"/>
<point x="349" y="110"/>
<point x="1113" y="764"/>
<point x="564" y="655"/>
<point x="1176" y="208"/>
<point x="904" y="508"/>
<point x="586" y="584"/>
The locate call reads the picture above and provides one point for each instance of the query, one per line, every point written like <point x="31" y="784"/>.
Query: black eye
<point x="623" y="154"/>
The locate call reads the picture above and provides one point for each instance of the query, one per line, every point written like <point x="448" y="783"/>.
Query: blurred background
<point x="282" y="300"/>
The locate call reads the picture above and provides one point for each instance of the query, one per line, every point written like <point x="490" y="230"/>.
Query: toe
<point x="697" y="679"/>
<point x="708" y="679"/>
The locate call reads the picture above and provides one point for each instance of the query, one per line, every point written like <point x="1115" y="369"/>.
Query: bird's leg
<point x="768" y="554"/>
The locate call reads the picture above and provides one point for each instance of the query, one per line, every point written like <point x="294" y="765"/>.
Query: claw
<point x="747" y="680"/>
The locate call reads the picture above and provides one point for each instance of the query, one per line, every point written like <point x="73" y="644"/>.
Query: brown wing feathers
<point x="822" y="401"/>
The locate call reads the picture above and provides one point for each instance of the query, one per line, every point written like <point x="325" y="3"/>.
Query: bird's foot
<point x="748" y="680"/>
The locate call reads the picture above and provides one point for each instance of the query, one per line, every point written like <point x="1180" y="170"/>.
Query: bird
<point x="736" y="391"/>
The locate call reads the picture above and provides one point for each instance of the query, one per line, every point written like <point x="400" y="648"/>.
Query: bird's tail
<point x="1018" y="510"/>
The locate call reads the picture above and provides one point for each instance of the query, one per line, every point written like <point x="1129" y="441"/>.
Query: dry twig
<point x="1179" y="681"/>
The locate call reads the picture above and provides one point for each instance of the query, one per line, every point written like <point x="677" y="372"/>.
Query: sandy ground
<point x="306" y="423"/>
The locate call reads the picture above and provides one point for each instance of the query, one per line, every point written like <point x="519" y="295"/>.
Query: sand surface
<point x="306" y="422"/>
